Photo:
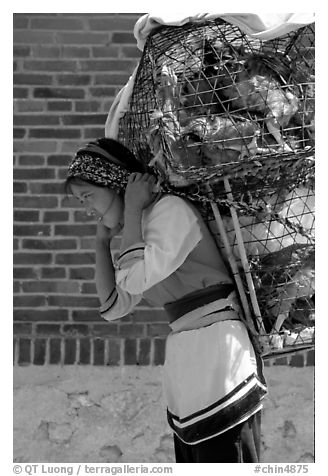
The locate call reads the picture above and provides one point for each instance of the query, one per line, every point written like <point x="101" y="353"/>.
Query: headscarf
<point x="104" y="162"/>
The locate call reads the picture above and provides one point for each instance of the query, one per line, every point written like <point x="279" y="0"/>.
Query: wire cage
<point x="228" y="122"/>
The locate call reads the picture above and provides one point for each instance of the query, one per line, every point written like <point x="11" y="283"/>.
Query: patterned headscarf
<point x="95" y="164"/>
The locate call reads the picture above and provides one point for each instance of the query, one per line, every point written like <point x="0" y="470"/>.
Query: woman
<point x="213" y="381"/>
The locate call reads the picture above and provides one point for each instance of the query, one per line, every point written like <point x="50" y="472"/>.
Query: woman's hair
<point x="103" y="162"/>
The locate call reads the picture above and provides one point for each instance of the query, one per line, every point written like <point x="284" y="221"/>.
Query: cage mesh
<point x="228" y="122"/>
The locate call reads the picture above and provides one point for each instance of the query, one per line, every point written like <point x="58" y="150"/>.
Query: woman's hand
<point x="139" y="192"/>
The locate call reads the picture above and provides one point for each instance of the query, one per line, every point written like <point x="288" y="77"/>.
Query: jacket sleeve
<point x="118" y="304"/>
<point x="170" y="232"/>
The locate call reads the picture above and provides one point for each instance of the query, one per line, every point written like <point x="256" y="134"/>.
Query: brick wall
<point x="67" y="70"/>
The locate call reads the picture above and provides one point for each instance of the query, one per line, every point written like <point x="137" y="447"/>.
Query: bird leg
<point x="274" y="129"/>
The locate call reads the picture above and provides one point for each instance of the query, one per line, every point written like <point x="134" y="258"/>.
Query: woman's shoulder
<point x="171" y="203"/>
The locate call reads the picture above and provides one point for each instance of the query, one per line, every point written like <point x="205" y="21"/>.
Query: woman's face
<point x="105" y="204"/>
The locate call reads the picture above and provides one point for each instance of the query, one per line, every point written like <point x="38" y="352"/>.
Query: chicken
<point x="256" y="83"/>
<point x="292" y="269"/>
<point x="225" y="139"/>
<point x="165" y="133"/>
<point x="275" y="243"/>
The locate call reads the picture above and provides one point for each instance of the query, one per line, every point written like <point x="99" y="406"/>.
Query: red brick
<point x="20" y="21"/>
<point x="151" y="315"/>
<point x="74" y="79"/>
<point x="103" y="92"/>
<point x="39" y="352"/>
<point x="75" y="330"/>
<point x="131" y="52"/>
<point x="75" y="230"/>
<point x="32" y="230"/>
<point x="55" y="133"/>
<point x="131" y="330"/>
<point x="27" y="105"/>
<point x="16" y="285"/>
<point x="105" y="51"/>
<point x="55" y="351"/>
<point x="75" y="258"/>
<point x="297" y="360"/>
<point x="53" y="273"/>
<point x="85" y="349"/>
<point x="32" y="258"/>
<point x="60" y="93"/>
<point x="33" y="79"/>
<point x="55" y="217"/>
<point x="58" y="160"/>
<point x="37" y="160"/>
<point x="35" y="146"/>
<point x="98" y="352"/>
<point x="70" y="351"/>
<point x="103" y="330"/>
<point x="159" y="351"/>
<point x="33" y="174"/>
<point x="59" y="105"/>
<point x="48" y="51"/>
<point x="19" y="133"/>
<point x="48" y="329"/>
<point x="53" y="244"/>
<point x="87" y="244"/>
<point x="81" y="273"/>
<point x="49" y="65"/>
<point x="144" y="352"/>
<point x="21" y="51"/>
<point x="81" y="119"/>
<point x="25" y="273"/>
<point x="33" y="37"/>
<point x="29" y="301"/>
<point x="130" y="352"/>
<point x="90" y="315"/>
<point x="75" y="52"/>
<point x="22" y="328"/>
<point x="19" y="187"/>
<point x="26" y="215"/>
<point x="35" y="202"/>
<point x="24" y="351"/>
<point x="20" y="93"/>
<point x="113" y="23"/>
<point x="36" y="315"/>
<point x="281" y="361"/>
<point x="70" y="201"/>
<point x="50" y="287"/>
<point x="91" y="133"/>
<point x="73" y="301"/>
<point x="310" y="360"/>
<point x="61" y="23"/>
<point x="81" y="216"/>
<point x="123" y="38"/>
<point x="47" y="188"/>
<point x="88" y="288"/>
<point x="87" y="106"/>
<point x="115" y="79"/>
<point x="108" y="65"/>
<point x="83" y="38"/>
<point x="36" y="120"/>
<point x="155" y="330"/>
<point x="114" y="352"/>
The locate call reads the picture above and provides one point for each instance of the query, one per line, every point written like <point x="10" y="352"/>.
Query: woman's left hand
<point x="139" y="191"/>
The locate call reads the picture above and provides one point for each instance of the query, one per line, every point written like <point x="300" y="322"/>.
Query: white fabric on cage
<point x="264" y="26"/>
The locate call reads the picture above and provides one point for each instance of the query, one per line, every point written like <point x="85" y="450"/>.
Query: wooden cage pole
<point x="244" y="260"/>
<point x="233" y="264"/>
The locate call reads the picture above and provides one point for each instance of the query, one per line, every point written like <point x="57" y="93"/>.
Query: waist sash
<point x="197" y="299"/>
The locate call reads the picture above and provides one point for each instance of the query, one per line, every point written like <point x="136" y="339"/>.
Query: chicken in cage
<point x="227" y="121"/>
